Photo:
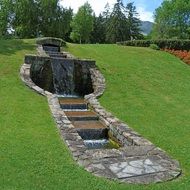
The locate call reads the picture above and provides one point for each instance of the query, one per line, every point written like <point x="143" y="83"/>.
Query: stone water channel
<point x="98" y="141"/>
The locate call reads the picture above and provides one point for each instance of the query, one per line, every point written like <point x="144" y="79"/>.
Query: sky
<point x="145" y="8"/>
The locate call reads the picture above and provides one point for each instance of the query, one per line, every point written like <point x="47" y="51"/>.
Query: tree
<point x="25" y="19"/>
<point x="31" y="18"/>
<point x="82" y="24"/>
<point x="172" y="20"/>
<point x="117" y="24"/>
<point x="122" y="23"/>
<point x="98" y="34"/>
<point x="5" y="16"/>
<point x="54" y="20"/>
<point x="106" y="13"/>
<point x="133" y="22"/>
<point x="64" y="18"/>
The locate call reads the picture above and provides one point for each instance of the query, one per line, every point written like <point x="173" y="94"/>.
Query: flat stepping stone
<point x="72" y="103"/>
<point x="57" y="55"/>
<point x="51" y="48"/>
<point x="81" y="115"/>
<point x="88" y="125"/>
<point x="89" y="130"/>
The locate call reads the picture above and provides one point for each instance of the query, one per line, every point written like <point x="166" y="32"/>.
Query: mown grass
<point x="147" y="89"/>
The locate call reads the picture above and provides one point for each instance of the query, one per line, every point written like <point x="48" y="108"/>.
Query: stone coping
<point x="51" y="41"/>
<point x="138" y="161"/>
<point x="30" y="58"/>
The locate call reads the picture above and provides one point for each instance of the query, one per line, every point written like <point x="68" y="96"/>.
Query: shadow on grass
<point x="9" y="47"/>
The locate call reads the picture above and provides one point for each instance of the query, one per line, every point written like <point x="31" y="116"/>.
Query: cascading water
<point x="63" y="76"/>
<point x="96" y="144"/>
<point x="101" y="144"/>
<point x="70" y="78"/>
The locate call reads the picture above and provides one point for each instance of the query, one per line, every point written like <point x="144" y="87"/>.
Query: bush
<point x="154" y="46"/>
<point x="183" y="55"/>
<point x="162" y="44"/>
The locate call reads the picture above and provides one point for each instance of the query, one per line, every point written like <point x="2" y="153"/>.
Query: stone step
<point x="81" y="115"/>
<point x="54" y="52"/>
<point x="73" y="103"/>
<point x="89" y="130"/>
<point x="88" y="125"/>
<point x="51" y="48"/>
<point x="57" y="55"/>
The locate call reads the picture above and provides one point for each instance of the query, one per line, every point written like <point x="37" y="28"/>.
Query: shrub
<point x="168" y="44"/>
<point x="154" y="46"/>
<point x="183" y="55"/>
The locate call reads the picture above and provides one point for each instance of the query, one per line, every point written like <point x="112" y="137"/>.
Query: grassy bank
<point x="150" y="91"/>
<point x="147" y="89"/>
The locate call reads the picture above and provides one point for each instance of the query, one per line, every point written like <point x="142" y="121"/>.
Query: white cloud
<point x="145" y="15"/>
<point x="97" y="5"/>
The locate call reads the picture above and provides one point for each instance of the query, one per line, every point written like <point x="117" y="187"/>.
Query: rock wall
<point x="41" y="72"/>
<point x="66" y="76"/>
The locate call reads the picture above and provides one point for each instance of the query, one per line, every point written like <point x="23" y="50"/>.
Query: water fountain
<point x="92" y="135"/>
<point x="70" y="79"/>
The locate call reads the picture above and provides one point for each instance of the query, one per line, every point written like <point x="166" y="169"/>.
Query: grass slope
<point x="147" y="89"/>
<point x="150" y="91"/>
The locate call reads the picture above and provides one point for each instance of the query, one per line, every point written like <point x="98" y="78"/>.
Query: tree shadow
<point x="9" y="47"/>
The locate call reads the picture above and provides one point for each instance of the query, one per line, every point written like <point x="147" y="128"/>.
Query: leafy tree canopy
<point x="172" y="20"/>
<point x="82" y="24"/>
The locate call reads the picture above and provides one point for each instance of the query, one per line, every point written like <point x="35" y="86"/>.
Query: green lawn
<point x="147" y="89"/>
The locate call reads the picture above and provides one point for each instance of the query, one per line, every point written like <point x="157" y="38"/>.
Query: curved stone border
<point x="138" y="161"/>
<point x="118" y="129"/>
<point x="51" y="41"/>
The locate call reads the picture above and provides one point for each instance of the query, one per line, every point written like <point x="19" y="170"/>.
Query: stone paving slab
<point x="135" y="168"/>
<point x="88" y="125"/>
<point x="81" y="115"/>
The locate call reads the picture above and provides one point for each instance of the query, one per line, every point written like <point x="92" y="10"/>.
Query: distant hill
<point x="146" y="27"/>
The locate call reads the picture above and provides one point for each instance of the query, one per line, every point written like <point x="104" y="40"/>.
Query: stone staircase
<point x="85" y="121"/>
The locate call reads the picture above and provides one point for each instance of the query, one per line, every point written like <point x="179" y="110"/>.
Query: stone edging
<point x="139" y="161"/>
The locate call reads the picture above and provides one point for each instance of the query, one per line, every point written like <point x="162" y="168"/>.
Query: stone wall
<point x="72" y="76"/>
<point x="61" y="75"/>
<point x="41" y="71"/>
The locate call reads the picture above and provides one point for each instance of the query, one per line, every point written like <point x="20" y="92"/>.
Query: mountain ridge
<point x="146" y="27"/>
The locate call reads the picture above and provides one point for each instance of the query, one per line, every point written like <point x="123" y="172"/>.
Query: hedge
<point x="168" y="44"/>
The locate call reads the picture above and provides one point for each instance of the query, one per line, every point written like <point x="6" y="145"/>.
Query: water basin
<point x="101" y="144"/>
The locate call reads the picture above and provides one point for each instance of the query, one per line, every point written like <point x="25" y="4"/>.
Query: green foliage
<point x="39" y="18"/>
<point x="55" y="20"/>
<point x="133" y="22"/>
<point x="154" y="46"/>
<point x="5" y="12"/>
<point x="82" y="24"/>
<point x="117" y="24"/>
<point x="169" y="44"/>
<point x="98" y="35"/>
<point x="33" y="18"/>
<point x="122" y="23"/>
<point x="172" y="20"/>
